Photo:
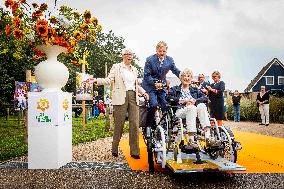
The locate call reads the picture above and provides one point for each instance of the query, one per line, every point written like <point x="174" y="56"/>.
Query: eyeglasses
<point x="214" y="76"/>
<point x="127" y="54"/>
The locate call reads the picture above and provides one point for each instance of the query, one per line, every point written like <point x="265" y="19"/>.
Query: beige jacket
<point x="115" y="78"/>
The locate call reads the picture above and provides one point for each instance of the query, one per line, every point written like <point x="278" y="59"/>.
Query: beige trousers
<point x="264" y="112"/>
<point x="119" y="114"/>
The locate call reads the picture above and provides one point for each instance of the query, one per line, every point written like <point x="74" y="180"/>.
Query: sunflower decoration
<point x="65" y="104"/>
<point x="35" y="25"/>
<point x="42" y="105"/>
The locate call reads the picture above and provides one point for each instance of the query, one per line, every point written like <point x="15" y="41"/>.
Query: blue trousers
<point x="237" y="113"/>
<point x="157" y="99"/>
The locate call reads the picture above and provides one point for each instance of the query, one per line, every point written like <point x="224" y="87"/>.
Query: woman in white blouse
<point x="125" y="89"/>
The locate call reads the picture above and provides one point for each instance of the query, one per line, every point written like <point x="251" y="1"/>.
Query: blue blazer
<point x="153" y="71"/>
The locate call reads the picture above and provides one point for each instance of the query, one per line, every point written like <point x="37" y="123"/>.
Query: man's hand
<point x="158" y="85"/>
<point x="146" y="96"/>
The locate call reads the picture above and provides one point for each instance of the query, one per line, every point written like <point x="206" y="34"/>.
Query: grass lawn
<point x="12" y="135"/>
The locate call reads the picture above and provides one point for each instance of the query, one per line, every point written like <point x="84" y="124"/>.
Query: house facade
<point x="271" y="76"/>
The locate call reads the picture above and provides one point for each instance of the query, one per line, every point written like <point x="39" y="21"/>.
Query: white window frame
<point x="282" y="77"/>
<point x="272" y="80"/>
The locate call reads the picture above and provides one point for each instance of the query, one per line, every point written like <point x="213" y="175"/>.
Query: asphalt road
<point x="106" y="178"/>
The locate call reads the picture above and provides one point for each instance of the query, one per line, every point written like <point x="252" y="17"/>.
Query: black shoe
<point x="261" y="124"/>
<point x="114" y="154"/>
<point x="135" y="156"/>
<point x="266" y="124"/>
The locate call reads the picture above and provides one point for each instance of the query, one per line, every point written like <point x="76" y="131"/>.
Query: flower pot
<point x="51" y="74"/>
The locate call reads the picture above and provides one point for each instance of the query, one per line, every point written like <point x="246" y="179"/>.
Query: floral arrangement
<point x="33" y="24"/>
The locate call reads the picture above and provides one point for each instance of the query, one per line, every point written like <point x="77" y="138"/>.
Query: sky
<point x="237" y="38"/>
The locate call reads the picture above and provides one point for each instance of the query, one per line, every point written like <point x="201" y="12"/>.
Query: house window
<point x="280" y="80"/>
<point x="269" y="80"/>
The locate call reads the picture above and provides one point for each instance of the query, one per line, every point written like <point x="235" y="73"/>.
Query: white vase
<point x="51" y="74"/>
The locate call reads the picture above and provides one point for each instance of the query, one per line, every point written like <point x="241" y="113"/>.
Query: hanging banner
<point x="84" y="89"/>
<point x="21" y="91"/>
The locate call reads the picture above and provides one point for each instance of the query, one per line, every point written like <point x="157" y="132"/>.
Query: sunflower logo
<point x="42" y="105"/>
<point x="65" y="104"/>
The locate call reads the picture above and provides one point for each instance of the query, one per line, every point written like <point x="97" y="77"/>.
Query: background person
<point x="225" y="107"/>
<point x="215" y="94"/>
<point x="202" y="83"/>
<point x="236" y="98"/>
<point x="156" y="68"/>
<point x="262" y="100"/>
<point x="123" y="77"/>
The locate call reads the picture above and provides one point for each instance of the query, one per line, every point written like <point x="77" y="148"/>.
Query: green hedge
<point x="250" y="112"/>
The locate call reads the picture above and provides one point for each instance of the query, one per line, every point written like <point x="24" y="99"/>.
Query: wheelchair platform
<point x="208" y="164"/>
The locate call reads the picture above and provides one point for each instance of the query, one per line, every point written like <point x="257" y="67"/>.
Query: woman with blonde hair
<point x="215" y="94"/>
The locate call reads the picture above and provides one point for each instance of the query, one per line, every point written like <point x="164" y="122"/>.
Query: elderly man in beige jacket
<point x="125" y="90"/>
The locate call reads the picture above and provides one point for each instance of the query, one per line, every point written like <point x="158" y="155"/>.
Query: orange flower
<point x="23" y="1"/>
<point x="42" y="22"/>
<point x="38" y="52"/>
<point x="8" y="29"/>
<point x="14" y="7"/>
<point x="36" y="14"/>
<point x="42" y="30"/>
<point x="8" y="3"/>
<point x="70" y="49"/>
<point x="35" y="5"/>
<point x="87" y="14"/>
<point x="75" y="62"/>
<point x="16" y="22"/>
<point x="43" y="7"/>
<point x="30" y="42"/>
<point x="51" y="31"/>
<point x="18" y="34"/>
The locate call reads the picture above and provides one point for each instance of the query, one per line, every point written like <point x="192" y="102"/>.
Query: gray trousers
<point x="119" y="114"/>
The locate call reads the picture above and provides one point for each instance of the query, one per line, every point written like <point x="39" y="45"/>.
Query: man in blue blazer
<point x="156" y="68"/>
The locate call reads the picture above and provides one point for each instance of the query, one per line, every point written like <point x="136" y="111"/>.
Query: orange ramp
<point x="259" y="154"/>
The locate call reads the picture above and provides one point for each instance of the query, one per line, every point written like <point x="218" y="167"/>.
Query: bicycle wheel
<point x="160" y="146"/>
<point x="229" y="152"/>
<point x="149" y="143"/>
<point x="150" y="156"/>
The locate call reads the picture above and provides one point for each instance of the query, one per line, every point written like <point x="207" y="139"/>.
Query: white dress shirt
<point x="129" y="78"/>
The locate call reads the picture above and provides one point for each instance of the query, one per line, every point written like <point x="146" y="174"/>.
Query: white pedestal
<point x="49" y="129"/>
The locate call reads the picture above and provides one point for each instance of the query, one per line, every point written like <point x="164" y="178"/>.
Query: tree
<point x="106" y="51"/>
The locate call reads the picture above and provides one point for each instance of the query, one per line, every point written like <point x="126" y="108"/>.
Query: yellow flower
<point x="94" y="21"/>
<point x="84" y="26"/>
<point x="99" y="28"/>
<point x="42" y="105"/>
<point x="65" y="104"/>
<point x="53" y="19"/>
